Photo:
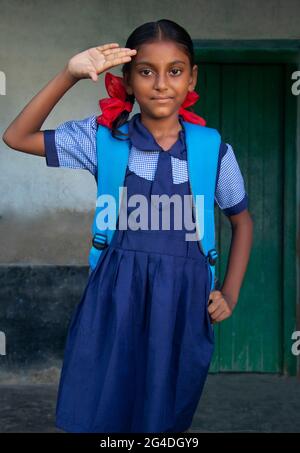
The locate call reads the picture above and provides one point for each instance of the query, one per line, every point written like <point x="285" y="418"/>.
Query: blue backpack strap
<point x="112" y="159"/>
<point x="203" y="145"/>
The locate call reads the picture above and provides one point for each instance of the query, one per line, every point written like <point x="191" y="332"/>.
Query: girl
<point x="140" y="342"/>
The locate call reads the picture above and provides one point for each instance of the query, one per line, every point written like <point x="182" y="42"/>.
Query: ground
<point x="230" y="403"/>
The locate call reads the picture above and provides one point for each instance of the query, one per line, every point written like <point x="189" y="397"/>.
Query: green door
<point x="246" y="103"/>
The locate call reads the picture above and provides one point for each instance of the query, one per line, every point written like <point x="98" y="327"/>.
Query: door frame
<point x="286" y="52"/>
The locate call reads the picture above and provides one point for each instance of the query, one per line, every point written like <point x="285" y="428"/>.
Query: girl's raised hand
<point x="92" y="62"/>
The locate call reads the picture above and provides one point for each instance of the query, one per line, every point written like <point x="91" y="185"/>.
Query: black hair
<point x="161" y="30"/>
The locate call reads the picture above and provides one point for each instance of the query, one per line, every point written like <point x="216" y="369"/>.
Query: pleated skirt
<point x="140" y="341"/>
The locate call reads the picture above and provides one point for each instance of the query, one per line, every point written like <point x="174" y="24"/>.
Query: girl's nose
<point x="160" y="81"/>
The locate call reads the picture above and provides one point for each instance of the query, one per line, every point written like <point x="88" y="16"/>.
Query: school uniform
<point x="140" y="341"/>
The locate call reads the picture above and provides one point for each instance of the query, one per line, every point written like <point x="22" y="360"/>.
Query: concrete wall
<point x="39" y="206"/>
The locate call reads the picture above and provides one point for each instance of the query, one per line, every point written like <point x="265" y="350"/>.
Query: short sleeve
<point x="72" y="145"/>
<point x="230" y="194"/>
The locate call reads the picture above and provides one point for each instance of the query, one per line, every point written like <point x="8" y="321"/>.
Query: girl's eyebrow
<point x="151" y="64"/>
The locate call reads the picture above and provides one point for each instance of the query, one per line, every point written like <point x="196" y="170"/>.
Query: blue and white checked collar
<point x="142" y="139"/>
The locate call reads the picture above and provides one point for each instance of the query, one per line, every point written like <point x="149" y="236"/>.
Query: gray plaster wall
<point x="46" y="213"/>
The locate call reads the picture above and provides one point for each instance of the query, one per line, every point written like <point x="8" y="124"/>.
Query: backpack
<point x="202" y="158"/>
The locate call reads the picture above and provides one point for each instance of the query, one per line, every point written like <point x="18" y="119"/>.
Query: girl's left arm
<point x="240" y="247"/>
<point x="224" y="301"/>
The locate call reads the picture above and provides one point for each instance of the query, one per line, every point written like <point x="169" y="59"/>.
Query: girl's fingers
<point x="117" y="50"/>
<point x="93" y="76"/>
<point x="110" y="55"/>
<point x="216" y="314"/>
<point x="220" y="317"/>
<point x="116" y="62"/>
<point x="213" y="306"/>
<point x="120" y="54"/>
<point x="107" y="46"/>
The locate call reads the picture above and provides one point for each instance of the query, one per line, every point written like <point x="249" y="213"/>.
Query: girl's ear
<point x="193" y="78"/>
<point x="126" y="84"/>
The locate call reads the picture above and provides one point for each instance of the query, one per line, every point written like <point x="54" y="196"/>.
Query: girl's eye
<point x="143" y="71"/>
<point x="149" y="70"/>
<point x="176" y="69"/>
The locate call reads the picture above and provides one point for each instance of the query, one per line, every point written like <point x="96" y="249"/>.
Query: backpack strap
<point x="112" y="154"/>
<point x="203" y="144"/>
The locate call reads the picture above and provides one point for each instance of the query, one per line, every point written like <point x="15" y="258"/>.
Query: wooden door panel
<point x="245" y="102"/>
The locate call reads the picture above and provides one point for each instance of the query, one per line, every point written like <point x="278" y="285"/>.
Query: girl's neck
<point x="162" y="127"/>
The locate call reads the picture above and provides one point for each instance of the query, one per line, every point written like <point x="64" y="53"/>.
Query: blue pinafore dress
<point x="140" y="341"/>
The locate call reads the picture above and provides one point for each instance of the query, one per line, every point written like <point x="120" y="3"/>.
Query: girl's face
<point x="160" y="70"/>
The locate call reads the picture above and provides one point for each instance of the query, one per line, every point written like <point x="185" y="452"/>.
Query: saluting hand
<point x="92" y="62"/>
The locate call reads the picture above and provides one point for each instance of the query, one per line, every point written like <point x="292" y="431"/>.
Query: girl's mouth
<point x="162" y="100"/>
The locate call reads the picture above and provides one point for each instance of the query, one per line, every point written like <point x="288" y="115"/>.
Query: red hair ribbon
<point x="112" y="107"/>
<point x="191" y="98"/>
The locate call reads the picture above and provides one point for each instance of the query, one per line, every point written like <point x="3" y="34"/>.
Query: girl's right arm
<point x="24" y="133"/>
